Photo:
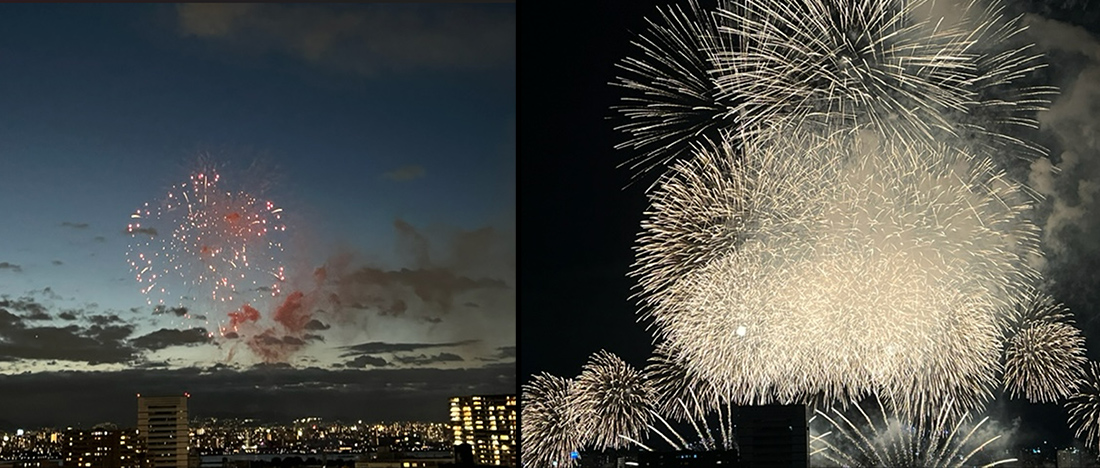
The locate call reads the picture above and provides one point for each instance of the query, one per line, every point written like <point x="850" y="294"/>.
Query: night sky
<point x="387" y="135"/>
<point x="581" y="213"/>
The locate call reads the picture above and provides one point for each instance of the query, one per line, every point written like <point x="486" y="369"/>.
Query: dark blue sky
<point x="386" y="132"/>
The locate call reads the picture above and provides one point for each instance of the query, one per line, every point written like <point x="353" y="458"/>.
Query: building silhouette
<point x="488" y="424"/>
<point x="103" y="448"/>
<point x="773" y="436"/>
<point x="162" y="430"/>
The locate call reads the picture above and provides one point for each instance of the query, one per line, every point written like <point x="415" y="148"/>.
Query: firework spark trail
<point x="882" y="65"/>
<point x="843" y="267"/>
<point x="671" y="98"/>
<point x="680" y="393"/>
<point x="1084" y="407"/>
<point x="1044" y="354"/>
<point x="897" y="441"/>
<point x="721" y="437"/>
<point x="612" y="399"/>
<point x="208" y="243"/>
<point x="550" y="429"/>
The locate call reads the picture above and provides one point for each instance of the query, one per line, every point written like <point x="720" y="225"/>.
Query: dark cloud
<point x="57" y="262"/>
<point x="10" y="266"/>
<point x="436" y="286"/>
<point x="67" y="315"/>
<point x="315" y="324"/>
<point x="104" y="239"/>
<point x="433" y="319"/>
<point x="37" y="315"/>
<point x="231" y="335"/>
<point x="177" y="311"/>
<point x="310" y="337"/>
<point x="152" y="232"/>
<point x="167" y="337"/>
<point x="424" y="359"/>
<point x="378" y="347"/>
<point x="104" y="320"/>
<point x="23" y="304"/>
<point x="364" y="39"/>
<point x="75" y="225"/>
<point x="364" y="361"/>
<point x="471" y="305"/>
<point x="506" y="352"/>
<point x="405" y="173"/>
<point x="94" y="345"/>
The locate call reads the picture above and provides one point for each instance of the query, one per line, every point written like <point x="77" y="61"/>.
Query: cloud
<point x="23" y="304"/>
<point x="316" y="325"/>
<point x="93" y="345"/>
<point x="405" y="173"/>
<point x="10" y="266"/>
<point x="66" y="315"/>
<point x="506" y="352"/>
<point x="104" y="320"/>
<point x="364" y="361"/>
<point x="152" y="232"/>
<point x="167" y="337"/>
<point x="57" y="262"/>
<point x="363" y="39"/>
<point x="378" y="347"/>
<point x="177" y="311"/>
<point x="104" y="239"/>
<point x="37" y="315"/>
<point x="75" y="225"/>
<point x="424" y="359"/>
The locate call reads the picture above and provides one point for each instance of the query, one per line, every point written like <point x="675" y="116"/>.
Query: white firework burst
<point x="838" y="266"/>
<point x="550" y="429"/>
<point x="612" y="399"/>
<point x="1044" y="354"/>
<point x="671" y="98"/>
<point x="891" y="439"/>
<point x="896" y="67"/>
<point x="1084" y="407"/>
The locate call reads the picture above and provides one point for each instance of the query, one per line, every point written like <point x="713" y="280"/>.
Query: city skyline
<point x="359" y="158"/>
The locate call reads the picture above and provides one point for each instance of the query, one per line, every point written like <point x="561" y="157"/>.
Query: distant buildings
<point x="488" y="424"/>
<point x="103" y="448"/>
<point x="162" y="430"/>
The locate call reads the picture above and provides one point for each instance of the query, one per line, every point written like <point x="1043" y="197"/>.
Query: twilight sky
<point x="387" y="135"/>
<point x="578" y="242"/>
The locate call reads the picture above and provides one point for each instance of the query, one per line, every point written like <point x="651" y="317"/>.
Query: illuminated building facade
<point x="488" y="424"/>
<point x="101" y="448"/>
<point x="162" y="430"/>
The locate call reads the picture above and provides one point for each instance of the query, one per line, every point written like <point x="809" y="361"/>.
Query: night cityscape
<point x="811" y="233"/>
<point x="258" y="235"/>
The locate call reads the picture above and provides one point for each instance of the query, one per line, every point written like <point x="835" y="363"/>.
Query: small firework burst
<point x="1044" y="353"/>
<point x="207" y="242"/>
<point x="550" y="431"/>
<point x="612" y="399"/>
<point x="1084" y="407"/>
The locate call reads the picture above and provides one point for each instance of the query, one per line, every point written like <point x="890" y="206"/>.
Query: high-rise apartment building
<point x="103" y="448"/>
<point x="162" y="430"/>
<point x="488" y="424"/>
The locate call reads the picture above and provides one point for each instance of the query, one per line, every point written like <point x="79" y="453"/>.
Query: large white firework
<point x="550" y="431"/>
<point x="1084" y="407"/>
<point x="1044" y="354"/>
<point x="671" y="99"/>
<point x="907" y="69"/>
<point x="886" y="438"/>
<point x="837" y="266"/>
<point x="612" y="399"/>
